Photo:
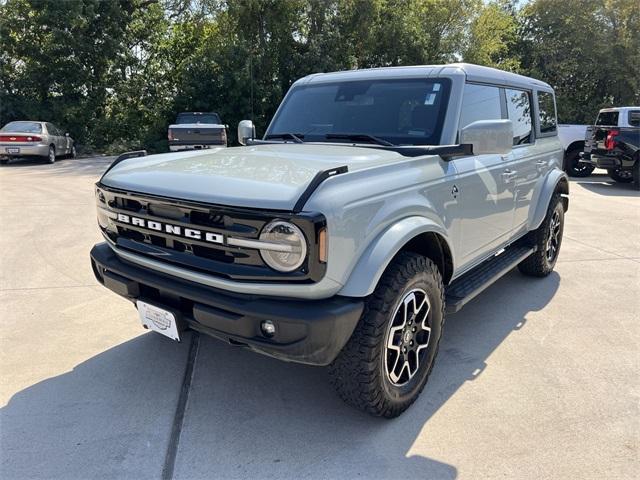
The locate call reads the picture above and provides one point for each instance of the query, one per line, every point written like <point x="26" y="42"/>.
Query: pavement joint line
<point x="178" y="418"/>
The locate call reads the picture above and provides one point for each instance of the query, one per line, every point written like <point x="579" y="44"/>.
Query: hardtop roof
<point x="618" y="109"/>
<point x="473" y="73"/>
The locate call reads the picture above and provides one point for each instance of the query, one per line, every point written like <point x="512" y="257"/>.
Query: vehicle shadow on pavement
<point x="248" y="416"/>
<point x="603" y="185"/>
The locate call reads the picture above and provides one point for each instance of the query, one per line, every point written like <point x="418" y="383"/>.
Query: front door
<point x="486" y="189"/>
<point x="485" y="182"/>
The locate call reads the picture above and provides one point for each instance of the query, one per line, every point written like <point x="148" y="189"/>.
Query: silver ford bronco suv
<point x="376" y="201"/>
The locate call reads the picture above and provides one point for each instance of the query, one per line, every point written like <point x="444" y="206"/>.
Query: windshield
<point x="198" y="118"/>
<point x="22" y="127"/>
<point x="403" y="112"/>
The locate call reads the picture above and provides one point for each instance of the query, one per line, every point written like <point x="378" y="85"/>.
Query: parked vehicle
<point x="572" y="138"/>
<point x="34" y="139"/>
<point x="196" y="131"/>
<point x="376" y="201"/>
<point x="614" y="143"/>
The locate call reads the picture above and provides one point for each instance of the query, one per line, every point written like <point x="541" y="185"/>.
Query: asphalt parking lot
<point x="535" y="378"/>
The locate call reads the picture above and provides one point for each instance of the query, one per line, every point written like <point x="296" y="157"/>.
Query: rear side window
<point x="634" y="118"/>
<point x="519" y="111"/>
<point x="547" y="112"/>
<point x="480" y="102"/>
<point x="609" y="119"/>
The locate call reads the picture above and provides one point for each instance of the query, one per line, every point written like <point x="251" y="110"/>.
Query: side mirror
<point x="489" y="136"/>
<point x="66" y="134"/>
<point x="246" y="131"/>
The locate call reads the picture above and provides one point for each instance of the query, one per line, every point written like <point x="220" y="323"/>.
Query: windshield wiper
<point x="285" y="135"/>
<point x="359" y="137"/>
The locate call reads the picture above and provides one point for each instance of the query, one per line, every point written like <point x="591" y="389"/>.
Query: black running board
<point x="465" y="288"/>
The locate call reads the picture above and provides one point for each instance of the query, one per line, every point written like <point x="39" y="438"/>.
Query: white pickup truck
<point x="572" y="138"/>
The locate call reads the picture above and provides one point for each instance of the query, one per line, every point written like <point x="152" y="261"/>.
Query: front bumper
<point x="307" y="331"/>
<point x="24" y="150"/>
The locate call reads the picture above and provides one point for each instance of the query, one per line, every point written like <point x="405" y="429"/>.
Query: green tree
<point x="492" y="37"/>
<point x="587" y="50"/>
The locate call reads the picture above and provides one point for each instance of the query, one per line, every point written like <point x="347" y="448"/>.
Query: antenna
<point x="251" y="82"/>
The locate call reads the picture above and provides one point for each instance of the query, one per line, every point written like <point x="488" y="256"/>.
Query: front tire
<point x="619" y="175"/>
<point x="547" y="239"/>
<point x="51" y="156"/>
<point x="574" y="167"/>
<point x="387" y="361"/>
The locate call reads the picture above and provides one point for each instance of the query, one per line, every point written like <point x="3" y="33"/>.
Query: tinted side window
<point x="608" y="119"/>
<point x="51" y="129"/>
<point x="634" y="118"/>
<point x="480" y="102"/>
<point x="519" y="110"/>
<point x="547" y="111"/>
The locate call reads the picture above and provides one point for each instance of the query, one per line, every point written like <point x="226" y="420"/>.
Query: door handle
<point x="509" y="175"/>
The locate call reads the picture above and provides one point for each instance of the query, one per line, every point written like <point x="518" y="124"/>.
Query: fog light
<point x="268" y="328"/>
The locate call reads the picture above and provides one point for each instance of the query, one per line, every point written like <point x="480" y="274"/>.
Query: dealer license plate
<point x="158" y="320"/>
<point x="13" y="150"/>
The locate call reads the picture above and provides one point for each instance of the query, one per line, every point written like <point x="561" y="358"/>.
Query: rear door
<point x="527" y="163"/>
<point x="485" y="184"/>
<point x="54" y="137"/>
<point x="65" y="142"/>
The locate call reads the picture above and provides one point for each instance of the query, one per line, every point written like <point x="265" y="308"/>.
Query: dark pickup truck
<point x="197" y="130"/>
<point x="613" y="143"/>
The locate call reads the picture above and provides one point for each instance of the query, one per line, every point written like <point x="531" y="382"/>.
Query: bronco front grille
<point x="214" y="224"/>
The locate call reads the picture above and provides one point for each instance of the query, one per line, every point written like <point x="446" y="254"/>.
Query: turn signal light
<point x="322" y="246"/>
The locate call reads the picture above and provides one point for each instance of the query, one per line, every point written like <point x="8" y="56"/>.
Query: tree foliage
<point x="116" y="72"/>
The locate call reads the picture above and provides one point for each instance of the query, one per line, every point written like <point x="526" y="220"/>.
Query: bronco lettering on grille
<point x="177" y="230"/>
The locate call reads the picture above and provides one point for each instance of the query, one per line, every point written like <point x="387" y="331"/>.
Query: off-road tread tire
<point x="636" y="173"/>
<point x="536" y="264"/>
<point x="356" y="372"/>
<point x="571" y="157"/>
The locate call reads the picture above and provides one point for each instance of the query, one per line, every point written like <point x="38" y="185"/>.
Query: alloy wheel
<point x="407" y="338"/>
<point x="553" y="242"/>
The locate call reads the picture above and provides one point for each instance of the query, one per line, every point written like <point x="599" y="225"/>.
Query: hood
<point x="263" y="176"/>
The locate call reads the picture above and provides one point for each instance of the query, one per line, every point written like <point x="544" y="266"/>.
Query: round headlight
<point x="287" y="249"/>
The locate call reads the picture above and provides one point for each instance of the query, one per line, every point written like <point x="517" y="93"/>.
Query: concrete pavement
<point x="535" y="378"/>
